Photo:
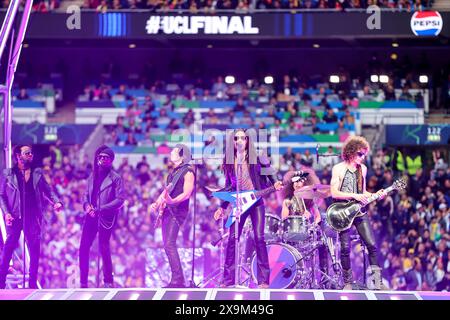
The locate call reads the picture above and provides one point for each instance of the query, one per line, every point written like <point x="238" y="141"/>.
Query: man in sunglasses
<point x="348" y="182"/>
<point x="22" y="193"/>
<point x="245" y="168"/>
<point x="105" y="196"/>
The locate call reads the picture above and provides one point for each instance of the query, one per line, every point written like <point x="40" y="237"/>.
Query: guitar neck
<point x="265" y="192"/>
<point x="376" y="196"/>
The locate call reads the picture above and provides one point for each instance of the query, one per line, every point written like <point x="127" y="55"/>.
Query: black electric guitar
<point x="340" y="215"/>
<point x="161" y="205"/>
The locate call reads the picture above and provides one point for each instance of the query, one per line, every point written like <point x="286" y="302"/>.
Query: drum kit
<point x="292" y="246"/>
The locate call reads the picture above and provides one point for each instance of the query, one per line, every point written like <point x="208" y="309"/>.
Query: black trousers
<point x="33" y="240"/>
<point x="90" y="228"/>
<point x="362" y="225"/>
<point x="257" y="214"/>
<point x="170" y="228"/>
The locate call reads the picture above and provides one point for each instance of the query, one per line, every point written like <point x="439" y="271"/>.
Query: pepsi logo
<point x="426" y="23"/>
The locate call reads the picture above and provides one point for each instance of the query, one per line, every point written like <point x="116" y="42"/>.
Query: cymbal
<point x="319" y="191"/>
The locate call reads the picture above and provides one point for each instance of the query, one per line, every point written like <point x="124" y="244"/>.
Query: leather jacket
<point x="111" y="195"/>
<point x="10" y="194"/>
<point x="263" y="176"/>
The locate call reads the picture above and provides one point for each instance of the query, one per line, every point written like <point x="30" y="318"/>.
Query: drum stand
<point x="216" y="275"/>
<point x="334" y="280"/>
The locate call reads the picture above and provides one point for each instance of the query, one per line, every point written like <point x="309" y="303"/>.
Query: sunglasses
<point x="361" y="154"/>
<point x="236" y="138"/>
<point x="298" y="179"/>
<point x="100" y="157"/>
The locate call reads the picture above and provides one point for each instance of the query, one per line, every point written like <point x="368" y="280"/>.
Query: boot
<point x="348" y="279"/>
<point x="378" y="282"/>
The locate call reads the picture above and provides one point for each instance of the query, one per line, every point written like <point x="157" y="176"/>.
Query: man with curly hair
<point x="348" y="182"/>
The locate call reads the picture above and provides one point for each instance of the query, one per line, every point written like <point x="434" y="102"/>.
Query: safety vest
<point x="400" y="162"/>
<point x="413" y="164"/>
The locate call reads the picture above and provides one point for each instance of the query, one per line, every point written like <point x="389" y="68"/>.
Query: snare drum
<point x="271" y="227"/>
<point x="296" y="228"/>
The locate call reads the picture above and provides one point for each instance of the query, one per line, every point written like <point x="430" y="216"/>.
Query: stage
<point x="216" y="294"/>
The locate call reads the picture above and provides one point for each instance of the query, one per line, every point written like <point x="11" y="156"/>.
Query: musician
<point x="254" y="174"/>
<point x="348" y="182"/>
<point x="296" y="206"/>
<point x="104" y="197"/>
<point x="22" y="193"/>
<point x="176" y="199"/>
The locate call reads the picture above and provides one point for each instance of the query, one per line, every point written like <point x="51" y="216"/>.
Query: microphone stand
<point x="236" y="227"/>
<point x="192" y="283"/>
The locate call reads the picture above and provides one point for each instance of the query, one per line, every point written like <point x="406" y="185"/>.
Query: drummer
<point x="294" y="206"/>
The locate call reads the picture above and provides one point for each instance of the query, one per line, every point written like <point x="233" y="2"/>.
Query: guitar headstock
<point x="400" y="184"/>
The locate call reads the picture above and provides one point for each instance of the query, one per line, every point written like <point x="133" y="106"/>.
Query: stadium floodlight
<point x="229" y="79"/>
<point x="374" y="78"/>
<point x="384" y="78"/>
<point x="268" y="79"/>
<point x="334" y="78"/>
<point x="423" y="78"/>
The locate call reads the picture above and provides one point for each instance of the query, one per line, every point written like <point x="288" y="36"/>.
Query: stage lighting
<point x="374" y="78"/>
<point x="334" y="79"/>
<point x="423" y="79"/>
<point x="395" y="44"/>
<point x="132" y="46"/>
<point x="316" y="45"/>
<point x="209" y="46"/>
<point x="268" y="80"/>
<point x="394" y="56"/>
<point x="229" y="79"/>
<point x="25" y="45"/>
<point x="384" y="78"/>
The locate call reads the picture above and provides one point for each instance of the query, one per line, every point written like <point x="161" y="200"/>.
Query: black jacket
<point x="10" y="194"/>
<point x="111" y="195"/>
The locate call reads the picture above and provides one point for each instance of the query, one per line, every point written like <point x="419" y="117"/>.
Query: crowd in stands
<point x="412" y="226"/>
<point x="293" y="105"/>
<point x="240" y="6"/>
<point x="243" y="6"/>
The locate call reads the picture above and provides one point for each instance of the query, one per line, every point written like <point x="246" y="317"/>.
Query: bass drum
<point x="284" y="272"/>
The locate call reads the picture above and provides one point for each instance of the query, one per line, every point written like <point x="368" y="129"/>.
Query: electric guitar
<point x="340" y="215"/>
<point x="246" y="198"/>
<point x="161" y="205"/>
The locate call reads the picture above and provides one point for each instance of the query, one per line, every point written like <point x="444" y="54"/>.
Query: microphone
<point x="317" y="153"/>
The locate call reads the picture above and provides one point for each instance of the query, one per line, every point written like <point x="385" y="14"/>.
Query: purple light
<point x="183" y="296"/>
<point x="238" y="296"/>
<point x="86" y="296"/>
<point x="134" y="296"/>
<point x="47" y="296"/>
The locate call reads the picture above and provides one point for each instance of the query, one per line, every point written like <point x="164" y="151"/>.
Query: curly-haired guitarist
<point x="348" y="182"/>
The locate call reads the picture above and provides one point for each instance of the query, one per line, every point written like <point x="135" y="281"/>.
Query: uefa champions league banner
<point x="146" y="25"/>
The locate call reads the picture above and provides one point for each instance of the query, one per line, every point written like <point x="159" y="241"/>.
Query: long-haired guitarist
<point x="174" y="203"/>
<point x="348" y="182"/>
<point x="254" y="173"/>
